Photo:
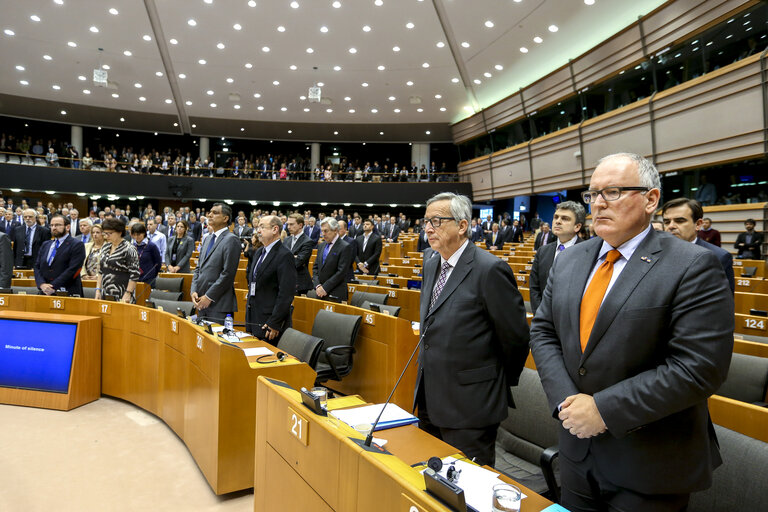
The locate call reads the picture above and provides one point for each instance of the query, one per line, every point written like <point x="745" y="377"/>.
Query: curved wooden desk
<point x="202" y="388"/>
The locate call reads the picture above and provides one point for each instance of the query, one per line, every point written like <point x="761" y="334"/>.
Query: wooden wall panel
<point x="478" y="173"/>
<point x="512" y="172"/>
<point x="627" y="129"/>
<point x="555" y="160"/>
<point x="620" y="52"/>
<point x="550" y="89"/>
<point x="468" y="128"/>
<point x="504" y="112"/>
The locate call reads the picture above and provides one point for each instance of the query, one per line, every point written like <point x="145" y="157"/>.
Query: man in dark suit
<point x="749" y="242"/>
<point x="423" y="242"/>
<point x="330" y="269"/>
<point x="271" y="284"/>
<point x="6" y="261"/>
<point x="544" y="237"/>
<point x="515" y="233"/>
<point x="213" y="282"/>
<point x="27" y="240"/>
<point x="8" y="224"/>
<point x="74" y="222"/>
<point x="162" y="227"/>
<point x="628" y="367"/>
<point x="487" y="224"/>
<point x="368" y="247"/>
<point x="356" y="229"/>
<point x="475" y="335"/>
<point x="351" y="247"/>
<point x="301" y="247"/>
<point x="391" y="230"/>
<point x="242" y="230"/>
<point x="683" y="218"/>
<point x="494" y="240"/>
<point x="475" y="232"/>
<point x="566" y="224"/>
<point x="60" y="260"/>
<point x="312" y="230"/>
<point x="195" y="227"/>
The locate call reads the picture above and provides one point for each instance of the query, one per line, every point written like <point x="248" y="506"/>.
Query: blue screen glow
<point x="36" y="355"/>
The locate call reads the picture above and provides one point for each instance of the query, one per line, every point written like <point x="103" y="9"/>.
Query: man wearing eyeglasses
<point x="633" y="334"/>
<point x="475" y="335"/>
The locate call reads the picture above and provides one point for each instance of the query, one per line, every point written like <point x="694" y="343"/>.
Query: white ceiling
<point x="451" y="72"/>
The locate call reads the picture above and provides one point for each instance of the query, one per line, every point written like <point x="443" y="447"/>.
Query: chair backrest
<point x="372" y="282"/>
<point x="387" y="310"/>
<point x="738" y="483"/>
<point x="303" y="346"/>
<point x="170" y="306"/>
<point x="164" y="295"/>
<point x="336" y="329"/>
<point x="29" y="290"/>
<point x="359" y="297"/>
<point x="747" y="379"/>
<point x="89" y="293"/>
<point x="169" y="284"/>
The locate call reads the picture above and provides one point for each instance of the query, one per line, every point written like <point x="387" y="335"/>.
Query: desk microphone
<point x="369" y="438"/>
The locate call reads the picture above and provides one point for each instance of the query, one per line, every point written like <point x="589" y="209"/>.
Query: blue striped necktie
<point x="53" y="252"/>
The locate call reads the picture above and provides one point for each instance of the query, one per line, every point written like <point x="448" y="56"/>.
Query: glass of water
<point x="322" y="394"/>
<point x="506" y="498"/>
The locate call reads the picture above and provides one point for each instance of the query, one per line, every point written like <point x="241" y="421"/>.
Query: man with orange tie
<point x="629" y="366"/>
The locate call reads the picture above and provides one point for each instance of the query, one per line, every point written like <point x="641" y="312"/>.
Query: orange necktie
<point x="593" y="297"/>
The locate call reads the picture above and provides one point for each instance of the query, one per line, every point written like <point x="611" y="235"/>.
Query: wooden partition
<point x="746" y="301"/>
<point x="201" y="387"/>
<point x="407" y="300"/>
<point x="384" y="344"/>
<point x="309" y="462"/>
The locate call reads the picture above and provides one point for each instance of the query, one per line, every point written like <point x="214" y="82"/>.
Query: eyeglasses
<point x="608" y="193"/>
<point x="436" y="221"/>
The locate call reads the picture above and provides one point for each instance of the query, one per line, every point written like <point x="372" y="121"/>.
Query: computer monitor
<point x="36" y="355"/>
<point x="413" y="284"/>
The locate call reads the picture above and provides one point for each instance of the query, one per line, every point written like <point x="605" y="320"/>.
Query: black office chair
<point x="89" y="293"/>
<point x="339" y="332"/>
<point x="29" y="290"/>
<point x="164" y="295"/>
<point x="383" y="308"/>
<point x="359" y="297"/>
<point x="171" y="306"/>
<point x="169" y="284"/>
<point x="303" y="346"/>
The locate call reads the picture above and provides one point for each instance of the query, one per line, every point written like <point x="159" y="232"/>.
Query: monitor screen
<point x="485" y="212"/>
<point x="414" y="284"/>
<point x="36" y="355"/>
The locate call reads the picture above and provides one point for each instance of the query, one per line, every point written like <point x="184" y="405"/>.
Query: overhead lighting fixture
<point x="392" y="98"/>
<point x="455" y="80"/>
<point x="292" y="67"/>
<point x="220" y="46"/>
<point x="553" y="28"/>
<point x="201" y="62"/>
<point x="381" y="133"/>
<point x="230" y="80"/>
<point x="86" y="91"/>
<point x="465" y="44"/>
<point x="364" y="84"/>
<point x="237" y="26"/>
<point x="236" y="107"/>
<point x="275" y="83"/>
<point x="115" y="95"/>
<point x="351" y="111"/>
<point x="378" y="3"/>
<point x="209" y="92"/>
<point x="498" y="67"/>
<point x="523" y="49"/>
<point x="213" y="105"/>
<point x="589" y="2"/>
<point x="35" y="17"/>
<point x="353" y="50"/>
<point x="489" y="24"/>
<point x="182" y="76"/>
<point x="251" y="3"/>
<point x="256" y="95"/>
<point x="105" y="66"/>
<point x="142" y="98"/>
<point x="329" y="110"/>
<point x="137" y="85"/>
<point x="9" y="32"/>
<point x="63" y="112"/>
<point x="395" y="48"/>
<point x="438" y="96"/>
<point x="336" y="4"/>
<point x="419" y="109"/>
<point x="283" y="109"/>
<point x="409" y="25"/>
<point x="122" y="119"/>
<point x="94" y="29"/>
<point x="409" y="83"/>
<point x="127" y="53"/>
<point x="306" y="109"/>
<point x="20" y="68"/>
<point x="260" y="107"/>
<point x="71" y="44"/>
<point x="337" y="68"/>
<point x="191" y="22"/>
<point x="23" y="82"/>
<point x="487" y="75"/>
<point x="381" y="68"/>
<point x="442" y="109"/>
<point x="174" y="41"/>
<point x="374" y="111"/>
<point x="294" y="5"/>
<point x="281" y="28"/>
<point x="366" y="28"/>
<point x="146" y="37"/>
<point x="310" y="50"/>
<point x="188" y="103"/>
<point x="265" y="49"/>
<point x="477" y="82"/>
<point x="248" y="65"/>
<point x="425" y="65"/>
<point x="428" y="132"/>
<point x="47" y="57"/>
<point x="440" y="44"/>
<point x="168" y="101"/>
<point x="114" y="11"/>
<point x="56" y="87"/>
<point x="538" y="40"/>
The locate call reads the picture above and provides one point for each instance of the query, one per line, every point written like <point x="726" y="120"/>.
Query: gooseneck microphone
<point x="369" y="438"/>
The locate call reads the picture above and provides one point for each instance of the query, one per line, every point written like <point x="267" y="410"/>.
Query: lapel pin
<point x="645" y="259"/>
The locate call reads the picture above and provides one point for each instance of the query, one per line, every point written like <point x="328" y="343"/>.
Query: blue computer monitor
<point x="36" y="355"/>
<point x="413" y="284"/>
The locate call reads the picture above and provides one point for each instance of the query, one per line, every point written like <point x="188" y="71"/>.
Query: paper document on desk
<point x="393" y="416"/>
<point x="257" y="351"/>
<point x="476" y="481"/>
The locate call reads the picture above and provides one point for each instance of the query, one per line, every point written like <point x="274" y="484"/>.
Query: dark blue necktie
<point x="28" y="241"/>
<point x="210" y="246"/>
<point x="256" y="266"/>
<point x="326" y="251"/>
<point x="53" y="252"/>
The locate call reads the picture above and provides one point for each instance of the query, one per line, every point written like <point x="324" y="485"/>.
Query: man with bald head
<point x="633" y="334"/>
<point x="27" y="239"/>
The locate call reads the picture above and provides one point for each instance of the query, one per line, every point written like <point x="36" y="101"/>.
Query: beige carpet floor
<point x="108" y="455"/>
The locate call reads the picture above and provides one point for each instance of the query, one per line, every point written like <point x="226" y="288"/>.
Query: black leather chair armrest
<point x="338" y="350"/>
<point x="546" y="461"/>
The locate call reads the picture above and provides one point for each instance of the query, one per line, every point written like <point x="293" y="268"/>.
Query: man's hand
<point x="47" y="288"/>
<point x="362" y="267"/>
<point x="580" y="416"/>
<point x="270" y="333"/>
<point x="203" y="302"/>
<point x="321" y="291"/>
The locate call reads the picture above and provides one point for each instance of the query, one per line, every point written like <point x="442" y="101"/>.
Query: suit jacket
<point x="6" y="261"/>
<point x="64" y="270"/>
<point x="163" y="229"/>
<point x="74" y="229"/>
<point x="41" y="235"/>
<point x="184" y="252"/>
<point x="537" y="243"/>
<point x="660" y="346"/>
<point x="313" y="233"/>
<point x="302" y="252"/>
<point x="477" y="234"/>
<point x="245" y="232"/>
<point x="542" y="263"/>
<point x="475" y="341"/>
<point x="332" y="272"/>
<point x="273" y="286"/>
<point x="370" y="256"/>
<point x="352" y="249"/>
<point x="726" y="260"/>
<point x="489" y="240"/>
<point x="195" y="231"/>
<point x="422" y="244"/>
<point x="214" y="275"/>
<point x="8" y="227"/>
<point x="515" y="235"/>
<point x="754" y="246"/>
<point x="391" y="232"/>
<point x="355" y="231"/>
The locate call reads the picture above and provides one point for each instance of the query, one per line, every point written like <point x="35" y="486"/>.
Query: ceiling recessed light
<point x="188" y="103"/>
<point x="310" y="50"/>
<point x="248" y="65"/>
<point x="283" y="109"/>
<point x="295" y="5"/>
<point x="86" y="91"/>
<point x="324" y="29"/>
<point x="351" y="111"/>
<point x="347" y="98"/>
<point x="47" y="57"/>
<point x="146" y="37"/>
<point x="114" y="11"/>
<point x="489" y="24"/>
<point x="9" y="32"/>
<point x="275" y="83"/>
<point x="230" y="80"/>
<point x="409" y="25"/>
<point x="553" y="28"/>
<point x="438" y="96"/>
<point x="392" y="98"/>
<point x="281" y="28"/>
<point x="182" y="76"/>
<point x="201" y="62"/>
<point x="366" y="28"/>
<point x="251" y="3"/>
<point x="174" y="41"/>
<point x="265" y="49"/>
<point x="127" y="53"/>
<point x="381" y="133"/>
<point x="293" y="67"/>
<point x="191" y="22"/>
<point x="122" y="119"/>
<point x="442" y="109"/>
<point x="115" y="95"/>
<point x="71" y="44"/>
<point x="589" y="2"/>
<point x="236" y="107"/>
<point x="56" y="87"/>
<point x="523" y="49"/>
<point x="498" y="67"/>
<point x="329" y="110"/>
<point x="409" y="83"/>
<point x="374" y="110"/>
<point x="335" y="133"/>
<point x="259" y="108"/>
<point x="477" y="82"/>
<point x="213" y="105"/>
<point x="290" y="131"/>
<point x="364" y="84"/>
<point x="142" y="98"/>
<point x="237" y="26"/>
<point x="63" y="112"/>
<point x="94" y="29"/>
<point x="337" y="68"/>
<point x="455" y="80"/>
<point x="353" y="50"/>
<point x="538" y="40"/>
<point x="168" y="101"/>
<point x="209" y="92"/>
<point x="220" y="46"/>
<point x="487" y="75"/>
<point x="440" y="44"/>
<point x="320" y="84"/>
<point x="419" y="110"/>
<point x="35" y="17"/>
<point x="336" y="4"/>
<point x="428" y="132"/>
<point x="256" y="95"/>
<point x="378" y="3"/>
<point x="381" y="68"/>
<point x="465" y="44"/>
<point x="425" y="65"/>
<point x="306" y="109"/>
<point x="395" y="48"/>
<point x="396" y="111"/>
<point x="20" y="68"/>
<point x="137" y="85"/>
<point x="105" y="66"/>
<point x="82" y="78"/>
<point x="23" y="82"/>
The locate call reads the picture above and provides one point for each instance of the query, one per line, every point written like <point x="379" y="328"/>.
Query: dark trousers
<point x="585" y="489"/>
<point x="28" y="261"/>
<point x="478" y="444"/>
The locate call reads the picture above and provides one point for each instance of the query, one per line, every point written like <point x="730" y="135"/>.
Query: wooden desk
<point x="751" y="285"/>
<point x="751" y="325"/>
<point x="409" y="272"/>
<point x="384" y="344"/>
<point x="738" y="267"/>
<point x="205" y="390"/>
<point x="308" y="462"/>
<point x="408" y="300"/>
<point x="385" y="279"/>
<point x="746" y="301"/>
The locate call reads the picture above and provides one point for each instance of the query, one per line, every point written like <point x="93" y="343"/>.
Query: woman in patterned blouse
<point x="119" y="264"/>
<point x="93" y="254"/>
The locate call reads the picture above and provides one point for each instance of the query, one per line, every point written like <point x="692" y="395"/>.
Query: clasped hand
<point x="580" y="416"/>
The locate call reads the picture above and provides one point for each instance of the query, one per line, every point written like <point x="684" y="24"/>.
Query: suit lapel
<point x="430" y="275"/>
<point x="207" y="254"/>
<point x="267" y="259"/>
<point x="463" y="267"/>
<point x="581" y="269"/>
